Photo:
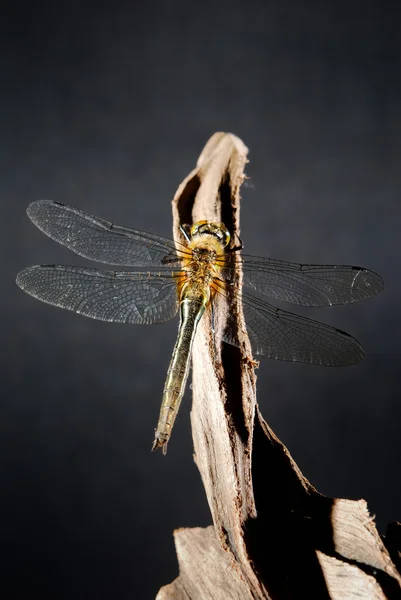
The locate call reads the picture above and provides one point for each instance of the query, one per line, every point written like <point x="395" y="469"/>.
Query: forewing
<point x="99" y="240"/>
<point x="119" y="297"/>
<point x="307" y="285"/>
<point x="282" y="335"/>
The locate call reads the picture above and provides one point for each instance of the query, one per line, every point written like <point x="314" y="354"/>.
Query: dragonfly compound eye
<point x="219" y="230"/>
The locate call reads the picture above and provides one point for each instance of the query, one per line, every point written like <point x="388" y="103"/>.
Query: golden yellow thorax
<point x="202" y="262"/>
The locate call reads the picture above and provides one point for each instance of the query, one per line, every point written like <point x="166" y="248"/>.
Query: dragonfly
<point x="186" y="277"/>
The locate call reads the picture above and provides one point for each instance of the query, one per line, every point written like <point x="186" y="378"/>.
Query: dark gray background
<point x="107" y="109"/>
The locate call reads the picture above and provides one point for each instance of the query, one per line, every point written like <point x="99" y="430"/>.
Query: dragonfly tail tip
<point x="159" y="444"/>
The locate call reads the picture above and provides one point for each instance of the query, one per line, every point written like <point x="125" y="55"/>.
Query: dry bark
<point x="273" y="535"/>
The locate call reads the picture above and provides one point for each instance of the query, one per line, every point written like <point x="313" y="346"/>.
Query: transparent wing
<point x="282" y="335"/>
<point x="99" y="240"/>
<point x="307" y="285"/>
<point x="105" y="295"/>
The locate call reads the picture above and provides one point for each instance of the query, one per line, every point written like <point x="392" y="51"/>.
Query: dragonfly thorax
<point x="201" y="269"/>
<point x="204" y="254"/>
<point x="201" y="265"/>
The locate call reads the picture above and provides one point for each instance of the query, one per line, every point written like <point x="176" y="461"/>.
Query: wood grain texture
<point x="274" y="536"/>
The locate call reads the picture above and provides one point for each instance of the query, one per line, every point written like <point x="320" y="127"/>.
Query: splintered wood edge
<point x="215" y="580"/>
<point x="348" y="582"/>
<point x="358" y="539"/>
<point x="223" y="433"/>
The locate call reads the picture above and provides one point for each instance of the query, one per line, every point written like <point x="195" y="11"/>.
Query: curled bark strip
<point x="274" y="535"/>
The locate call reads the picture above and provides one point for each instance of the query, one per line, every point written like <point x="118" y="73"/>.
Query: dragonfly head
<point x="219" y="230"/>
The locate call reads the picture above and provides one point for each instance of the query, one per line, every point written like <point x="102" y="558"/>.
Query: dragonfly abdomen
<point x="192" y="308"/>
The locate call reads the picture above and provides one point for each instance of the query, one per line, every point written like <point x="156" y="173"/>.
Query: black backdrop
<point x="107" y="108"/>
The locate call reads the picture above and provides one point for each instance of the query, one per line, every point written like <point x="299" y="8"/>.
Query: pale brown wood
<point x="274" y="536"/>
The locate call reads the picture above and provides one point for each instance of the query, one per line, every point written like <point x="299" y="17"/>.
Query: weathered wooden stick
<point x="273" y="535"/>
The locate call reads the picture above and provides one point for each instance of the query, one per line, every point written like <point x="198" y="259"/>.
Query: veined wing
<point x="282" y="335"/>
<point x="100" y="240"/>
<point x="120" y="297"/>
<point x="307" y="285"/>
